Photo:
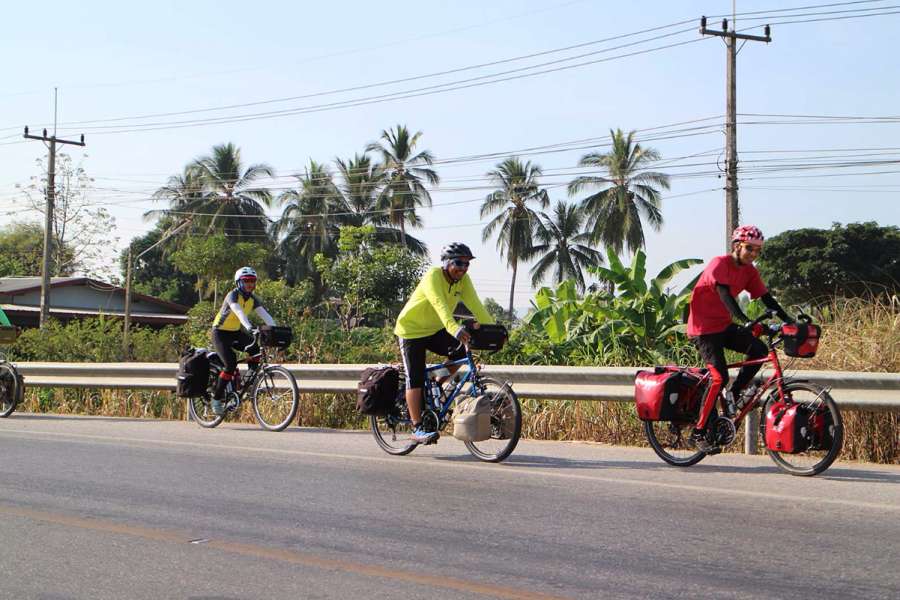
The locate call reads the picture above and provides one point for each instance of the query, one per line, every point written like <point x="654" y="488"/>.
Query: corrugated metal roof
<point x="15" y="284"/>
<point x="86" y="312"/>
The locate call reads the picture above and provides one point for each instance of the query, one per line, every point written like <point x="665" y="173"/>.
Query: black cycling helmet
<point x="456" y="250"/>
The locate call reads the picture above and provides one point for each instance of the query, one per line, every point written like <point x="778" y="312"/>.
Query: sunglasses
<point x="459" y="264"/>
<point x="751" y="248"/>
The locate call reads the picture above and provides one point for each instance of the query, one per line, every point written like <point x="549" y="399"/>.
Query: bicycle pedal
<point x="714" y="451"/>
<point x="432" y="440"/>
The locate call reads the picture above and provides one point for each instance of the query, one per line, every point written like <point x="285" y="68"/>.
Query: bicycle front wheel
<point x="275" y="398"/>
<point x="672" y="442"/>
<point x="200" y="409"/>
<point x="823" y="442"/>
<point x="9" y="390"/>
<point x="506" y="422"/>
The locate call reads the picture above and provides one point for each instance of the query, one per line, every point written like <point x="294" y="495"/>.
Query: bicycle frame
<point x="443" y="406"/>
<point x="262" y="362"/>
<point x="776" y="379"/>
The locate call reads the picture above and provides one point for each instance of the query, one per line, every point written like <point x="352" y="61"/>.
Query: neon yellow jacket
<point x="430" y="308"/>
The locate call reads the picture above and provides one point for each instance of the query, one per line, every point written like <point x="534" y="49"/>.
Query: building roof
<point x="8" y="285"/>
<point x="168" y="319"/>
<point x="20" y="285"/>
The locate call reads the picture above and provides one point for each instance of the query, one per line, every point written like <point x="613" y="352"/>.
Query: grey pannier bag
<point x="472" y="421"/>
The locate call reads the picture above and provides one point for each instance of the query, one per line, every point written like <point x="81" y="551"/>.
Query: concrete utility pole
<point x="48" y="213"/>
<point x="126" y="349"/>
<point x="732" y="210"/>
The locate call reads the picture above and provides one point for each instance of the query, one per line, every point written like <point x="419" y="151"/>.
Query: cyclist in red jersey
<point x="711" y="326"/>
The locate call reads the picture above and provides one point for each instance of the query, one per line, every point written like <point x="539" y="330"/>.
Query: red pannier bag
<point x="787" y="428"/>
<point x="667" y="394"/>
<point x="801" y="340"/>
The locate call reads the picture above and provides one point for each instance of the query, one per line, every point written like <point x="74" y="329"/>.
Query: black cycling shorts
<point x="413" y="353"/>
<point x="226" y="342"/>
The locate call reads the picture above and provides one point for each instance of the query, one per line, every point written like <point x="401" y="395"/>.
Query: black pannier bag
<point x="276" y="337"/>
<point x="377" y="390"/>
<point x="801" y="340"/>
<point x="488" y="337"/>
<point x="14" y="384"/>
<point x="193" y="373"/>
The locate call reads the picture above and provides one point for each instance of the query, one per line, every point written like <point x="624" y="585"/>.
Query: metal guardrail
<point x="852" y="391"/>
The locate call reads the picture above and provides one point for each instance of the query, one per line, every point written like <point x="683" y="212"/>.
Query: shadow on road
<point x="58" y="417"/>
<point x="844" y="474"/>
<point x="551" y="462"/>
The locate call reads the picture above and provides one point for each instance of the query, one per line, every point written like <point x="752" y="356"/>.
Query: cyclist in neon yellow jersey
<point x="427" y="323"/>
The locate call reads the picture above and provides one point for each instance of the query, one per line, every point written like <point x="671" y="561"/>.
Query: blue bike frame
<point x="441" y="406"/>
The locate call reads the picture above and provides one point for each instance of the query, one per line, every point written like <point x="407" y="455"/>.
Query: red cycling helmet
<point x="748" y="234"/>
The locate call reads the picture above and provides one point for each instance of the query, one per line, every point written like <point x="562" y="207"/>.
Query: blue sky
<point x="114" y="60"/>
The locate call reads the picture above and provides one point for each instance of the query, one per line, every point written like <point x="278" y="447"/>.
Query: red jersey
<point x="708" y="313"/>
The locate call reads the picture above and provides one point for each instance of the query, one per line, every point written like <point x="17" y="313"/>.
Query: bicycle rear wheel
<point x="506" y="422"/>
<point x="200" y="407"/>
<point x="275" y="398"/>
<point x="824" y="447"/>
<point x="9" y="390"/>
<point x="393" y="432"/>
<point x="672" y="442"/>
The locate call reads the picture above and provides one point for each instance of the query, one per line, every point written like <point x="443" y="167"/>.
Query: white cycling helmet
<point x="244" y="273"/>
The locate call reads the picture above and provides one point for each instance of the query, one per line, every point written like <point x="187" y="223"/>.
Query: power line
<point x="479" y="81"/>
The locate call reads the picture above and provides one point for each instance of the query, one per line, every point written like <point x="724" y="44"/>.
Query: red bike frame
<point x="777" y="379"/>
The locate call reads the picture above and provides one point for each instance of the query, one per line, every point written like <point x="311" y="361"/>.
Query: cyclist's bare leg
<point x="414" y="403"/>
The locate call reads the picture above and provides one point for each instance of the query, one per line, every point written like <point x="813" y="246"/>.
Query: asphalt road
<point x="118" y="508"/>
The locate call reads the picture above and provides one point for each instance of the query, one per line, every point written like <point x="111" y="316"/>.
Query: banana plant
<point x="633" y="317"/>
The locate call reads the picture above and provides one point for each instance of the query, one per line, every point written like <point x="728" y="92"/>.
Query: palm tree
<point x="517" y="186"/>
<point x="235" y="205"/>
<point x="185" y="196"/>
<point x="405" y="176"/>
<point x="362" y="183"/>
<point x="310" y="220"/>
<point x="218" y="194"/>
<point x="628" y="192"/>
<point x="564" y="247"/>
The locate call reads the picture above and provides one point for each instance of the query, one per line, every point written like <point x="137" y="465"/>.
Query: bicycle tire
<point x="786" y="462"/>
<point x="9" y="391"/>
<point x="201" y="412"/>
<point x="397" y="419"/>
<point x="659" y="446"/>
<point x="502" y="411"/>
<point x="262" y="413"/>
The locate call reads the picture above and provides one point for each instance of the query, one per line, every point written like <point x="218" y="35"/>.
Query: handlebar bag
<point x="801" y="340"/>
<point x="193" y="373"/>
<point x="489" y="337"/>
<point x="377" y="390"/>
<point x="787" y="428"/>
<point x="666" y="394"/>
<point x="276" y="337"/>
<point x="472" y="421"/>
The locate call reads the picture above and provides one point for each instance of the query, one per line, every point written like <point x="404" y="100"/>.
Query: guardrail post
<point x="751" y="434"/>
